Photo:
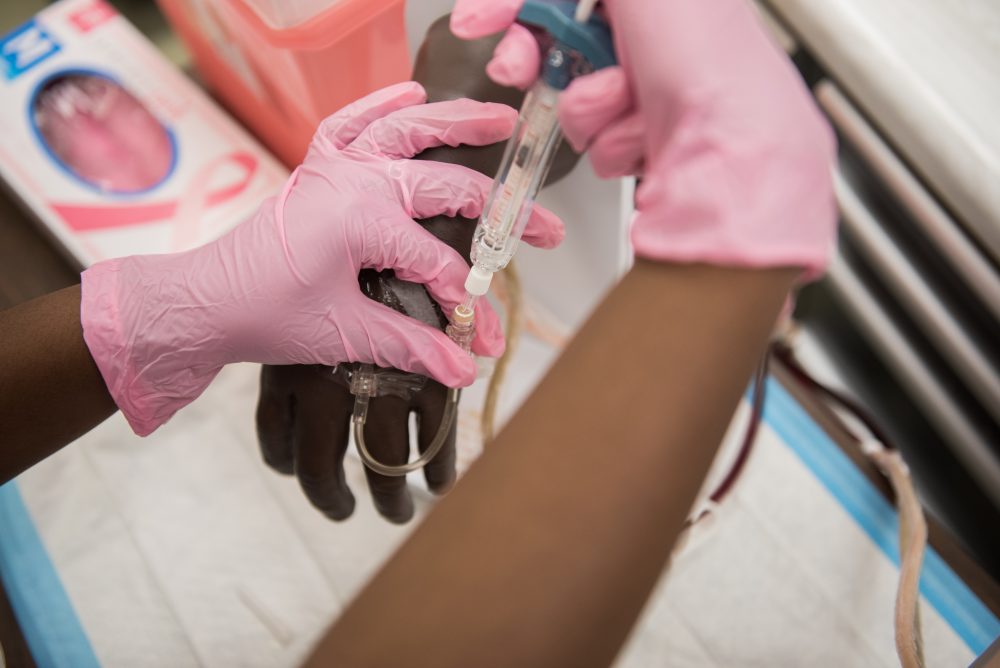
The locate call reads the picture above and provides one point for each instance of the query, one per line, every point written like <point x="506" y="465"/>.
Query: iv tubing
<point x="361" y="415"/>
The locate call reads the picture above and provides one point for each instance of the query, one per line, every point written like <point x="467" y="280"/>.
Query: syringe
<point x="580" y="44"/>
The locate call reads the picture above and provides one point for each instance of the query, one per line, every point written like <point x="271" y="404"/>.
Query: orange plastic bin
<point x="282" y="66"/>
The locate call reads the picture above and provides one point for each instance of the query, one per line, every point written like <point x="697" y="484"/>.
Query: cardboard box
<point x="112" y="148"/>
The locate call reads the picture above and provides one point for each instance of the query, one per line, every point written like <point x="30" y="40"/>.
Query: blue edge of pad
<point x="46" y="616"/>
<point x="57" y="639"/>
<point x="945" y="591"/>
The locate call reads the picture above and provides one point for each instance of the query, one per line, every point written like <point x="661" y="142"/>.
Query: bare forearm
<point x="545" y="553"/>
<point x="51" y="391"/>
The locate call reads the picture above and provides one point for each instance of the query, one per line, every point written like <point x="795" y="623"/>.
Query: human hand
<point x="303" y="414"/>
<point x="734" y="155"/>
<point x="282" y="287"/>
<point x="303" y="425"/>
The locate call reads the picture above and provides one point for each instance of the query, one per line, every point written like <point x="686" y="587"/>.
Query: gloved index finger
<point x="444" y="189"/>
<point x="416" y="255"/>
<point x="344" y="125"/>
<point x="517" y="59"/>
<point x="591" y="103"/>
<point x="409" y="131"/>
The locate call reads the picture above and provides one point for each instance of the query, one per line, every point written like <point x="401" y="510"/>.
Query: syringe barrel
<point x="525" y="165"/>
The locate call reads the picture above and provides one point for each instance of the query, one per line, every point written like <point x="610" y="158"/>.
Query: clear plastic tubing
<point x="364" y="385"/>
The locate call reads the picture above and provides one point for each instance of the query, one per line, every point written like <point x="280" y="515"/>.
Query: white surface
<point x="928" y="73"/>
<point x="780" y="576"/>
<point x="184" y="550"/>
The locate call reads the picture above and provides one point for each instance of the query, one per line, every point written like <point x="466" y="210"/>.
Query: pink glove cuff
<point x="149" y="373"/>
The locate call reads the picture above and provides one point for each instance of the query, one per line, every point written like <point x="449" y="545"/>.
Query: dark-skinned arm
<point x="51" y="391"/>
<point x="544" y="554"/>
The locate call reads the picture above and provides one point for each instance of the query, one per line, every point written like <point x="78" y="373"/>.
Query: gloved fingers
<point x="438" y="188"/>
<point x="619" y="150"/>
<point x="440" y="471"/>
<point x="517" y="59"/>
<point x="393" y="340"/>
<point x="472" y="19"/>
<point x="322" y="423"/>
<point x="275" y="415"/>
<point x="416" y="256"/>
<point x="407" y="132"/>
<point x="591" y="103"/>
<point x="544" y="229"/>
<point x="387" y="436"/>
<point x="344" y="125"/>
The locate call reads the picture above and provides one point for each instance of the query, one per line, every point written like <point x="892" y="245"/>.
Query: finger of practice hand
<point x="440" y="472"/>
<point x="274" y="420"/>
<point x="387" y="436"/>
<point x="322" y="422"/>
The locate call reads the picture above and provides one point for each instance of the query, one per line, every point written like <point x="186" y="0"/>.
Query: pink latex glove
<point x="282" y="287"/>
<point x="735" y="157"/>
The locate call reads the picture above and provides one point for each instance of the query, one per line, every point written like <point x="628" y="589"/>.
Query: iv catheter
<point x="580" y="44"/>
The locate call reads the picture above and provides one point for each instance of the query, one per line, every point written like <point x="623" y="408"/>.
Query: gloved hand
<point x="734" y="155"/>
<point x="282" y="287"/>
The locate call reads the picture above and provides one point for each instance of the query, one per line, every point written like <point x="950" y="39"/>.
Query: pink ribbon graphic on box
<point x="184" y="213"/>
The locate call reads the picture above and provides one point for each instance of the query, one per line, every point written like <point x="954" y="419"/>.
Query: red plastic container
<point x="282" y="70"/>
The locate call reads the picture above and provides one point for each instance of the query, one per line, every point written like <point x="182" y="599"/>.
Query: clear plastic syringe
<point x="580" y="45"/>
<point x="525" y="165"/>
